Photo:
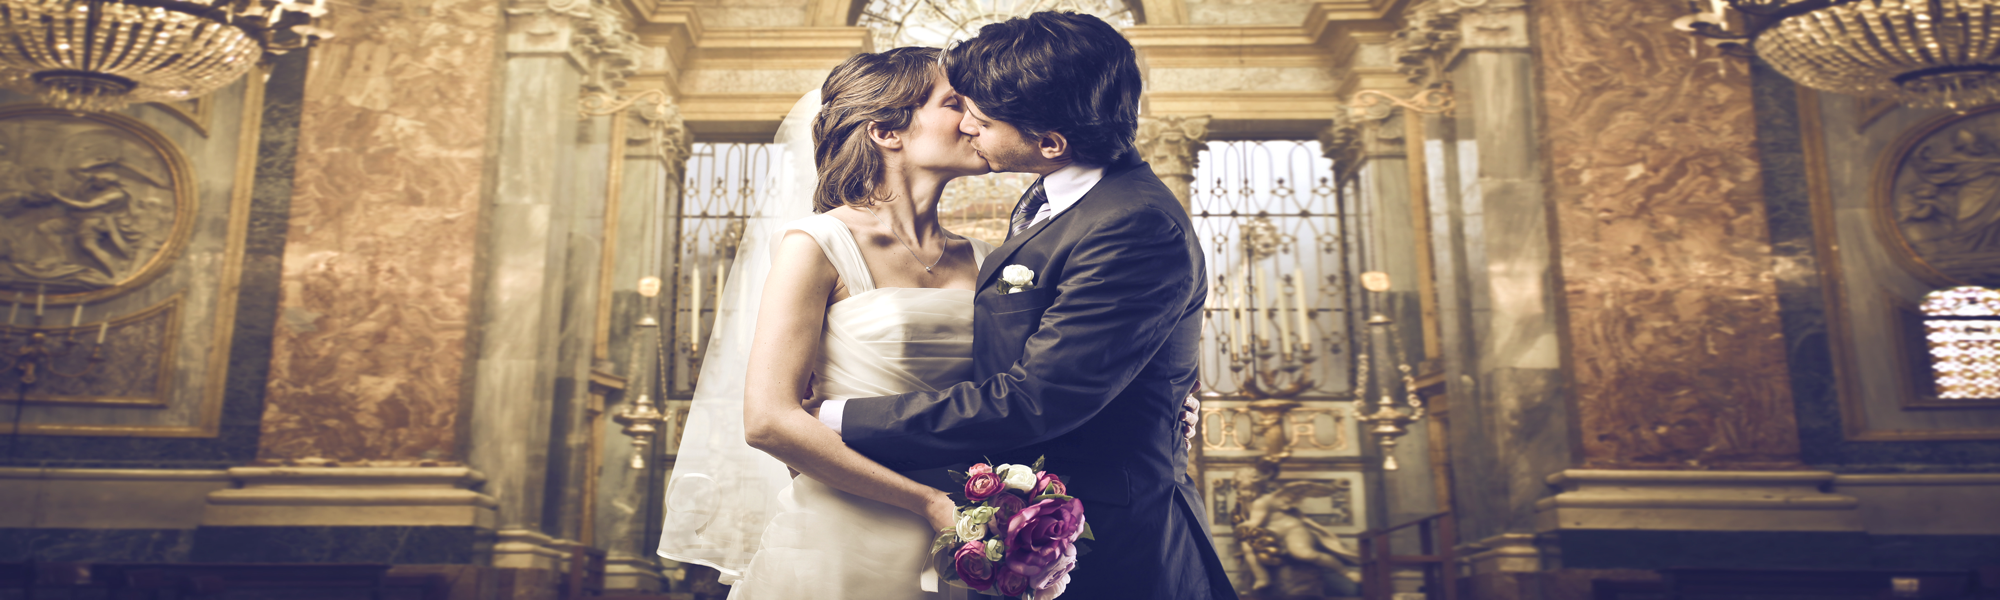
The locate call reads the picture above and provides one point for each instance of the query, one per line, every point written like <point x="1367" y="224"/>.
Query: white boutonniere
<point x="1016" y="278"/>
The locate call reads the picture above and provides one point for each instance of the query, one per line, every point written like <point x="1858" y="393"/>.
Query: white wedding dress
<point x="825" y="543"/>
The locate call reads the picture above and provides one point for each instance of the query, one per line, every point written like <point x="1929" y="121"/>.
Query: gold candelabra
<point x="1387" y="418"/>
<point x="641" y="421"/>
<point x="39" y="353"/>
<point x="1266" y="320"/>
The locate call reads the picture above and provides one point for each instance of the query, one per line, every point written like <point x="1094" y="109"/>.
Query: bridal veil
<point x="722" y="492"/>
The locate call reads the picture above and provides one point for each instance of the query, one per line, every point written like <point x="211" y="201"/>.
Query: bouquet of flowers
<point x="1017" y="533"/>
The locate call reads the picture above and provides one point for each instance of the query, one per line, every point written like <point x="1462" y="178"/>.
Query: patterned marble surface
<point x="377" y="275"/>
<point x="95" y="545"/>
<point x="1677" y="353"/>
<point x="387" y="544"/>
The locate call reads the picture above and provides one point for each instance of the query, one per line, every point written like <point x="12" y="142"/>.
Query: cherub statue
<point x="1272" y="531"/>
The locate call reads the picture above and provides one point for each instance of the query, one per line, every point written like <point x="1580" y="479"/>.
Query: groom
<point x="1086" y="344"/>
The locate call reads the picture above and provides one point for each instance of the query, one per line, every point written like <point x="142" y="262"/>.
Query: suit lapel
<point x="1014" y="242"/>
<point x="1000" y="255"/>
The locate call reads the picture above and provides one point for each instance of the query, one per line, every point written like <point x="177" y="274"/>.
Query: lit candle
<point x="100" y="331"/>
<point x="1305" y="321"/>
<point x="1239" y="333"/>
<point x="1223" y="320"/>
<point x="1259" y="301"/>
<point x="11" y="312"/>
<point x="719" y="271"/>
<point x="694" y="313"/>
<point x="1284" y="325"/>
<point x="1715" y="6"/>
<point x="39" y="297"/>
<point x="76" y="318"/>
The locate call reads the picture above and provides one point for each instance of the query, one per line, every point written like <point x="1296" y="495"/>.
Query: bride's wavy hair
<point x="883" y="89"/>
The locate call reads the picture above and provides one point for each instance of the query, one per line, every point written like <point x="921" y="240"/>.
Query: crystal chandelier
<point x="100" y="55"/>
<point x="1926" y="53"/>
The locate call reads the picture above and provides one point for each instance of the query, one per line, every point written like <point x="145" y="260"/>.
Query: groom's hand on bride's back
<point x="1191" y="414"/>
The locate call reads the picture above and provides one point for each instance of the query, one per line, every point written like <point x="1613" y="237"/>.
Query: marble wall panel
<point x="739" y="81"/>
<point x="211" y="419"/>
<point x="1241" y="79"/>
<point x="96" y="545"/>
<point x="370" y="346"/>
<point x="1850" y="144"/>
<point x="1248" y="12"/>
<point x="1676" y="349"/>
<point x="755" y="13"/>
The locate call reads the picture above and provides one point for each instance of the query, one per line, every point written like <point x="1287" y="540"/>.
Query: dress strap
<point x="837" y="242"/>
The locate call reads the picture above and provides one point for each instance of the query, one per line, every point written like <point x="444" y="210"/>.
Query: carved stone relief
<point x="1939" y="213"/>
<point x="1436" y="31"/>
<point x="89" y="204"/>
<point x="1172" y="144"/>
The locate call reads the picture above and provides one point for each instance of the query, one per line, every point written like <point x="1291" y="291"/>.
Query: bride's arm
<point x="790" y="320"/>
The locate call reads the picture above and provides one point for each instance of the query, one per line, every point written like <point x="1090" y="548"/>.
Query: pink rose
<point x="1056" y="580"/>
<point x="1070" y="514"/>
<point x="1008" y="505"/>
<point x="1051" y="520"/>
<point x="1012" y="584"/>
<point x="1039" y="535"/>
<point x="979" y="468"/>
<point x="1048" y="484"/>
<point x="981" y="486"/>
<point x="970" y="562"/>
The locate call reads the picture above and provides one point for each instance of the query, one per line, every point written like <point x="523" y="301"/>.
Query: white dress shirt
<point x="1065" y="186"/>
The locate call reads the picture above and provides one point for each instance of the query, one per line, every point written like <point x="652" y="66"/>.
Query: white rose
<point x="995" y="550"/>
<point x="1017" y="275"/>
<point x="972" y="523"/>
<point x="1017" y="477"/>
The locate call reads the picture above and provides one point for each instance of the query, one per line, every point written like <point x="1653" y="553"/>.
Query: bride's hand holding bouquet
<point x="1016" y="534"/>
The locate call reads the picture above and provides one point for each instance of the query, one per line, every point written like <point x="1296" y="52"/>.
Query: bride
<point x="868" y="297"/>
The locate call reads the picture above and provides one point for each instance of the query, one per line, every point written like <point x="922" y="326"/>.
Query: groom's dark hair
<point x="1054" y="72"/>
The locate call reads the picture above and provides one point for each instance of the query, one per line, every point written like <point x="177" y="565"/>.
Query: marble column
<point x="1391" y="245"/>
<point x="1509" y="414"/>
<point x="1172" y="144"/>
<point x="655" y="156"/>
<point x="361" y="446"/>
<point x="521" y="410"/>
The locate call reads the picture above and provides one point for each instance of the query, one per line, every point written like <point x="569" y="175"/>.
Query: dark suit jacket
<point x="1088" y="369"/>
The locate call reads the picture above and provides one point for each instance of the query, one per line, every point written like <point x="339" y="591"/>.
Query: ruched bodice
<point x="885" y="341"/>
<point x="825" y="543"/>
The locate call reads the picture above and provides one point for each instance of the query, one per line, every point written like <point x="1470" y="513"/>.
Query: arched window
<point x="1962" y="326"/>
<point x="934" y="23"/>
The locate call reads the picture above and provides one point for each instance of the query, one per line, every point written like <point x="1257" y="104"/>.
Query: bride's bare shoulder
<point x="799" y="254"/>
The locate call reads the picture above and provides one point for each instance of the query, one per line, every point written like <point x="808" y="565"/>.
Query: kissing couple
<point x="917" y="350"/>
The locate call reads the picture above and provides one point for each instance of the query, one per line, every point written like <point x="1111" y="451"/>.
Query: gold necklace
<point x="906" y="245"/>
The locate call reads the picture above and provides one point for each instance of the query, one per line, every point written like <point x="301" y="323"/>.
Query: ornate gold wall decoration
<point x="1230" y="429"/>
<point x="1852" y="285"/>
<point x="136" y="369"/>
<point x="91" y="205"/>
<point x="1937" y="204"/>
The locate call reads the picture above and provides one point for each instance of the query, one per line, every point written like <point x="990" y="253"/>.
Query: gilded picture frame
<point x="1919" y="203"/>
<point x="109" y="129"/>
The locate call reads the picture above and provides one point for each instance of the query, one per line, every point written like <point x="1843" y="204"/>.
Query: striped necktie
<point x="1025" y="215"/>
